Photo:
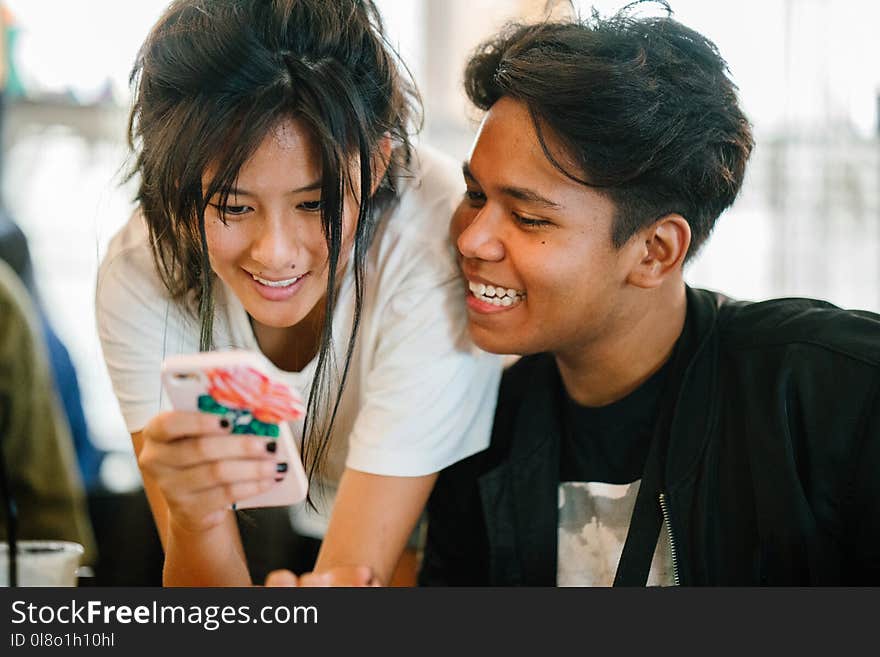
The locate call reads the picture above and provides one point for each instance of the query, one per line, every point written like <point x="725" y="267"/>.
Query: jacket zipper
<point x="672" y="553"/>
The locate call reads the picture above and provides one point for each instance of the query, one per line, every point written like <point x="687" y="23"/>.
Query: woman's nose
<point x="275" y="247"/>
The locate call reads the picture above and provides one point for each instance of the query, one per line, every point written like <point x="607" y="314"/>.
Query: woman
<point x="283" y="209"/>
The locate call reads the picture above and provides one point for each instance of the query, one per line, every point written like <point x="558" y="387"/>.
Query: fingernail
<point x="281" y="467"/>
<point x="224" y="423"/>
<point x="271" y="446"/>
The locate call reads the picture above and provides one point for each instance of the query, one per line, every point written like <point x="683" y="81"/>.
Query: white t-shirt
<point x="419" y="395"/>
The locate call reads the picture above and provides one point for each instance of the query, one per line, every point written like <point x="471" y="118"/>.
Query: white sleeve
<point x="430" y="395"/>
<point x="136" y="323"/>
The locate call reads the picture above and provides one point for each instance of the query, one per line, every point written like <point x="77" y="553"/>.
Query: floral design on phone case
<point x="251" y="401"/>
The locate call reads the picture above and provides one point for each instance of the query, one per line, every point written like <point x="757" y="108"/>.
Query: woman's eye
<point x="311" y="206"/>
<point x="475" y="197"/>
<point x="232" y="210"/>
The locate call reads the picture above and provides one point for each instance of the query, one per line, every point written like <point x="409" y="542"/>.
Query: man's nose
<point x="480" y="239"/>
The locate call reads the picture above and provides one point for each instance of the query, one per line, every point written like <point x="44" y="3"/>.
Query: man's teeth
<point x="267" y="283"/>
<point x="498" y="296"/>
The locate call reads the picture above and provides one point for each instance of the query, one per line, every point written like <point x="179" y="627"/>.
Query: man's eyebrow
<point x="519" y="193"/>
<point x="529" y="196"/>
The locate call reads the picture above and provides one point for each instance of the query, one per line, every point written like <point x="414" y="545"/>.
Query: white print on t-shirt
<point x="594" y="519"/>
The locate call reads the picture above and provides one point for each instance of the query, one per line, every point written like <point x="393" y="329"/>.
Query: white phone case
<point x="236" y="384"/>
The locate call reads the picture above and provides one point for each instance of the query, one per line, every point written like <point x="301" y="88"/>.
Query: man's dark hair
<point x="642" y="106"/>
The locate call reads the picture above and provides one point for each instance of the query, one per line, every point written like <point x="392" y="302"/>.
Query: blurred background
<point x="806" y="224"/>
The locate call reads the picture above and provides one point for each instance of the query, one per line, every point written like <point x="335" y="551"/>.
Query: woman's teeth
<point x="497" y="296"/>
<point x="285" y="283"/>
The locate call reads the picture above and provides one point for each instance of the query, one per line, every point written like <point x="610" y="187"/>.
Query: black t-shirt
<point x="603" y="453"/>
<point x="610" y="444"/>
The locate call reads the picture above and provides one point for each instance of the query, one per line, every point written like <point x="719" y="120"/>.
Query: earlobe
<point x="662" y="249"/>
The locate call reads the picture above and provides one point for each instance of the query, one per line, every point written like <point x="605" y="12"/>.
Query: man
<point x="653" y="433"/>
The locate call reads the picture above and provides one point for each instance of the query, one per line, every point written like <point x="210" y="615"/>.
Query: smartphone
<point x="236" y="384"/>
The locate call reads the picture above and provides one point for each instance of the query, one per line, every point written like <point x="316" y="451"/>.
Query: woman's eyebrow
<point x="238" y="191"/>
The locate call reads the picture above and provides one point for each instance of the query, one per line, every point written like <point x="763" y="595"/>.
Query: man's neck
<point x="607" y="370"/>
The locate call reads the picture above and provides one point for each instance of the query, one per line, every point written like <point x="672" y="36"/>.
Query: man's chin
<point x="496" y="342"/>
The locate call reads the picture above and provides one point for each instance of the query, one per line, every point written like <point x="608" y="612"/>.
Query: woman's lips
<point x="278" y="293"/>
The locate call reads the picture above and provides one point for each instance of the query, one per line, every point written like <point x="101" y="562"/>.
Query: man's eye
<point x="311" y="206"/>
<point x="530" y="223"/>
<point x="475" y="197"/>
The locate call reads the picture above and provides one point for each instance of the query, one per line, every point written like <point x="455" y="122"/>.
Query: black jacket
<point x="771" y="473"/>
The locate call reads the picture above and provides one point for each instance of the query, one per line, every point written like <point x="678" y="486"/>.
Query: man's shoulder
<point x="799" y="322"/>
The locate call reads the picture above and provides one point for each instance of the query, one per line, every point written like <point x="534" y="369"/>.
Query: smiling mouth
<point x="496" y="295"/>
<point x="285" y="283"/>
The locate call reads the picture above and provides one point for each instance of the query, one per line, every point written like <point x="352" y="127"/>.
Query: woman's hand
<point x="201" y="469"/>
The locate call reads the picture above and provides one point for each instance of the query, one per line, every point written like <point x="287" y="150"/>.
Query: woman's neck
<point x="291" y="348"/>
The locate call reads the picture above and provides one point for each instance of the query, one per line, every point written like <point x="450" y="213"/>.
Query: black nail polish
<point x="281" y="467"/>
<point x="271" y="446"/>
<point x="224" y="423"/>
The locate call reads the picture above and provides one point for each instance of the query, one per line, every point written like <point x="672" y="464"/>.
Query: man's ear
<point x="381" y="161"/>
<point x="662" y="248"/>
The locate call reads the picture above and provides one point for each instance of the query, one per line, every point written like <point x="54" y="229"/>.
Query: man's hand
<point x="350" y="576"/>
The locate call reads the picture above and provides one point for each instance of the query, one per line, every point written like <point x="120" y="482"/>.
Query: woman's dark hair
<point x="643" y="107"/>
<point x="212" y="79"/>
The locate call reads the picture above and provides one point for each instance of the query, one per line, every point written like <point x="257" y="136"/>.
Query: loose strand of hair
<point x="206" y="292"/>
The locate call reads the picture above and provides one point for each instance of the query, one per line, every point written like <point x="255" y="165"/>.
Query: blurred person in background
<point x="48" y="459"/>
<point x="41" y="485"/>
<point x="15" y="252"/>
<point x="283" y="209"/>
<point x="652" y="433"/>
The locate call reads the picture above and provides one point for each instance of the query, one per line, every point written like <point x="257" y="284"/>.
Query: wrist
<point x="188" y="529"/>
<point x="205" y="556"/>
